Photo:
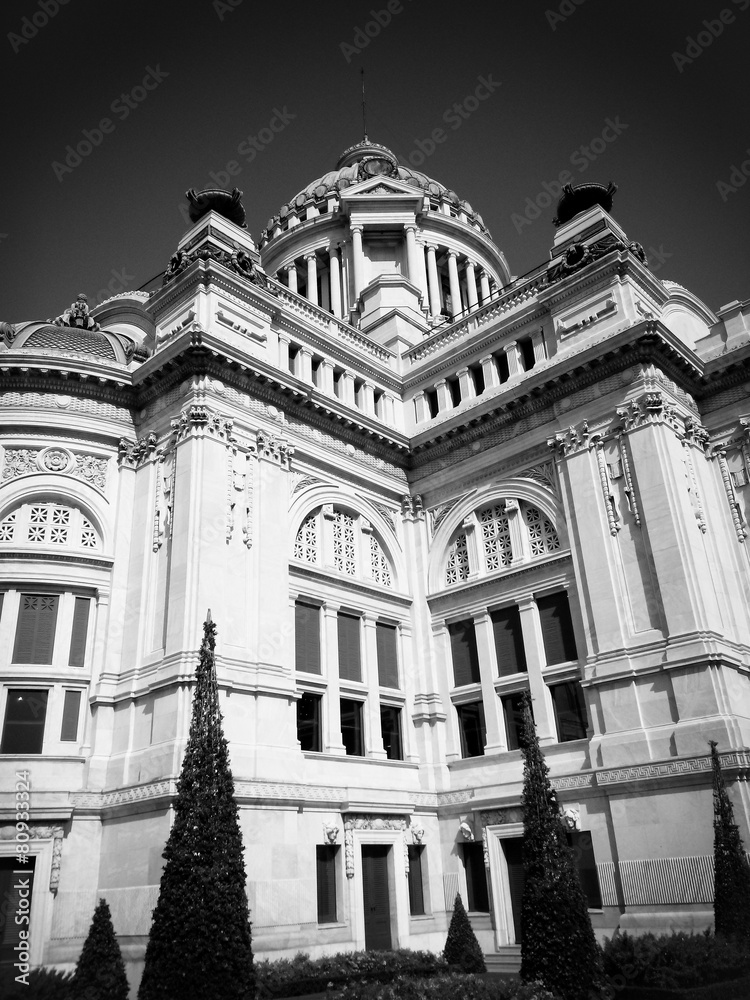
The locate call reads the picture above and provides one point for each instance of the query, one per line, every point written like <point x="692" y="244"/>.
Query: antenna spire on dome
<point x="364" y="118"/>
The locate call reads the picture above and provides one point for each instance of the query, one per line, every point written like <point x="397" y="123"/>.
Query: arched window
<point x="542" y="536"/>
<point x="498" y="550"/>
<point x="49" y="523"/>
<point x="306" y="543"/>
<point x="458" y="561"/>
<point x="344" y="541"/>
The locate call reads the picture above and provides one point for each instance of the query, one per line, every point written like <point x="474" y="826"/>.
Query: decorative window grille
<point x="49" y="524"/>
<point x="344" y="551"/>
<point x="496" y="537"/>
<point x="458" y="561"/>
<point x="381" y="571"/>
<point x="306" y="542"/>
<point x="542" y="536"/>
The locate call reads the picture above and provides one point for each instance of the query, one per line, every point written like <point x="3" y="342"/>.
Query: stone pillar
<point x="325" y="290"/>
<point x="347" y="388"/>
<point x="471" y="285"/>
<point x="454" y="285"/>
<point x="414" y="259"/>
<point x="332" y="742"/>
<point x="358" y="260"/>
<point x="389" y="410"/>
<point x="373" y="732"/>
<point x="490" y="372"/>
<point x="513" y="355"/>
<point x="312" y="278"/>
<point x="421" y="408"/>
<point x="335" y="265"/>
<point x="487" y="673"/>
<point x="304" y="359"/>
<point x="434" y="284"/>
<point x="291" y="276"/>
<point x="544" y="714"/>
<point x="466" y="384"/>
<point x="326" y="377"/>
<point x="484" y="287"/>
<point x="368" y="399"/>
<point x="445" y="401"/>
<point x="537" y="342"/>
<point x="283" y="352"/>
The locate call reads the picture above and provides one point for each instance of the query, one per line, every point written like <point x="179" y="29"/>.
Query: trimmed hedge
<point x="294" y="977"/>
<point x="674" y="961"/>
<point x="445" y="987"/>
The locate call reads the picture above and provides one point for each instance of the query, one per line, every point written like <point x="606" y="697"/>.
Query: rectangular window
<point x="464" y="652"/>
<point x="325" y="858"/>
<point x="513" y="713"/>
<point x="472" y="729"/>
<point x="308" y="722"/>
<point x="570" y="711"/>
<point x="583" y="849"/>
<point x="71" y="711"/>
<point x="80" y="631"/>
<point x="25" y="712"/>
<point x="307" y="637"/>
<point x="35" y="630"/>
<point x="557" y="628"/>
<point x="11" y="886"/>
<point x="506" y="627"/>
<point x="350" y="663"/>
<point x="387" y="645"/>
<point x="351" y="727"/>
<point x="390" y="725"/>
<point x="416" y="880"/>
<point x="476" y="878"/>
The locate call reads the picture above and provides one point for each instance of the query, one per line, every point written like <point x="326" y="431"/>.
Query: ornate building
<point x="410" y="487"/>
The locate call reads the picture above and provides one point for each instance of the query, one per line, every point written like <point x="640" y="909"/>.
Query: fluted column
<point x="421" y="407"/>
<point x="414" y="259"/>
<point x="537" y="342"/>
<point x="513" y="353"/>
<point x="471" y="285"/>
<point x="284" y="352"/>
<point x="291" y="276"/>
<point x="445" y="401"/>
<point x="358" y="260"/>
<point x="434" y="284"/>
<point x="490" y="372"/>
<point x="484" y="287"/>
<point x="466" y="384"/>
<point x="454" y="285"/>
<point x="312" y="278"/>
<point x="335" y="267"/>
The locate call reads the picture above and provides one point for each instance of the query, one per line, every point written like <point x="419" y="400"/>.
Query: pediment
<point x="382" y="186"/>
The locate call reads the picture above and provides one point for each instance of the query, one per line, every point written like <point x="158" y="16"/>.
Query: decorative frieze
<point x="55" y="833"/>
<point x="364" y="821"/>
<point x="27" y="461"/>
<point x="650" y="408"/>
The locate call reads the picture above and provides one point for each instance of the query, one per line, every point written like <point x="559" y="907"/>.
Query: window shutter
<point x="71" y="708"/>
<point x="387" y="654"/>
<point x="464" y="651"/>
<point x="326" y="877"/>
<point x="416" y="888"/>
<point x="350" y="667"/>
<point x="557" y="628"/>
<point x="80" y="630"/>
<point x="307" y="637"/>
<point x="35" y="630"/>
<point x="506" y="626"/>
<point x="570" y="711"/>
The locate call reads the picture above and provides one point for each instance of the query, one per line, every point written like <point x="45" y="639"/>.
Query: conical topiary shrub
<point x="731" y="869"/>
<point x="100" y="972"/>
<point x="461" y="946"/>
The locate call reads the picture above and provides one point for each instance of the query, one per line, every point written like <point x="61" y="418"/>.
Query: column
<point x="443" y="395"/>
<point x="454" y="285"/>
<point x="466" y="384"/>
<point x="373" y="732"/>
<point x="368" y="399"/>
<point x="291" y="276"/>
<point x="434" y="284"/>
<point x="332" y="742"/>
<point x="335" y="266"/>
<point x="537" y="342"/>
<point x="544" y="715"/>
<point x="421" y="409"/>
<point x="346" y="384"/>
<point x="513" y="355"/>
<point x="305" y="364"/>
<point x="414" y="259"/>
<point x="283" y="352"/>
<point x="484" y="287"/>
<point x="358" y="260"/>
<point x="312" y="278"/>
<point x="326" y="377"/>
<point x="325" y="291"/>
<point x="490" y="372"/>
<point x="389" y="410"/>
<point x="487" y="674"/>
<point x="471" y="285"/>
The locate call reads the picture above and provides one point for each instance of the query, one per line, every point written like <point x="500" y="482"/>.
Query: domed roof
<point x="368" y="159"/>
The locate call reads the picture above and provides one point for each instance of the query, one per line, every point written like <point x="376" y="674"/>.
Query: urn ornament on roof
<point x="217" y="200"/>
<point x="577" y="198"/>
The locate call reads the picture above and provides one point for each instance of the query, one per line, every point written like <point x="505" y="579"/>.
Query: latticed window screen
<point x="344" y="548"/>
<point x="542" y="536"/>
<point x="458" y="561"/>
<point x="381" y="571"/>
<point x="495" y="537"/>
<point x="49" y="524"/>
<point x="306" y="542"/>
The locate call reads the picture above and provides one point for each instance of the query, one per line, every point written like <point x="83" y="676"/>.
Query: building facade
<point x="409" y="486"/>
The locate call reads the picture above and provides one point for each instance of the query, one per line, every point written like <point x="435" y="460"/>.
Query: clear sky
<point x="599" y="89"/>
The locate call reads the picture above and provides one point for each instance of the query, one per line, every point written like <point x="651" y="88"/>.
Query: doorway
<point x="377" y="903"/>
<point x="513" y="850"/>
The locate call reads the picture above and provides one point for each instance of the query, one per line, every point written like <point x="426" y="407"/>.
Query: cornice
<point x="20" y="377"/>
<point x="448" y="598"/>
<point x="374" y="590"/>
<point x="98" y="562"/>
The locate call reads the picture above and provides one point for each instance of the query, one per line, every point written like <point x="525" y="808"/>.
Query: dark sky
<point x="226" y="71"/>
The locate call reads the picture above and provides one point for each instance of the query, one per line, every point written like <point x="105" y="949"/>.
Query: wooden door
<point x="376" y="897"/>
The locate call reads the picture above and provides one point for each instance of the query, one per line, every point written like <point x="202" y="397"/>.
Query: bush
<point x="454" y="986"/>
<point x="100" y="972"/>
<point x="44" y="984"/>
<point x="462" y="949"/>
<point x="671" y="961"/>
<point x="290" y="977"/>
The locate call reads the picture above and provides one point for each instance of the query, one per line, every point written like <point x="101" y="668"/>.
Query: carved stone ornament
<point x="466" y="831"/>
<point x="135" y="453"/>
<point x="411" y="507"/>
<point x="91" y="469"/>
<point x="331" y="833"/>
<point x="417" y="832"/>
<point x="237" y="260"/>
<point x="274" y="449"/>
<point x="650" y="408"/>
<point x="77" y="315"/>
<point x="56" y="460"/>
<point x="571" y="817"/>
<point x="363" y="821"/>
<point x="56" y="834"/>
<point x="19" y="462"/>
<point x="740" y="527"/>
<point x="570" y="441"/>
<point x="197" y="419"/>
<point x="579" y="255"/>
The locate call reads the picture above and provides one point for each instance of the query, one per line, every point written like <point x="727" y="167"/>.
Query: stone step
<point x="505" y="961"/>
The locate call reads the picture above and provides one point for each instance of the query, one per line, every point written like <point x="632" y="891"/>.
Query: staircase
<point x="506" y="961"/>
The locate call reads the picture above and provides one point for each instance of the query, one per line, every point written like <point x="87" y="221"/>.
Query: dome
<point x="66" y="339"/>
<point x="358" y="163"/>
